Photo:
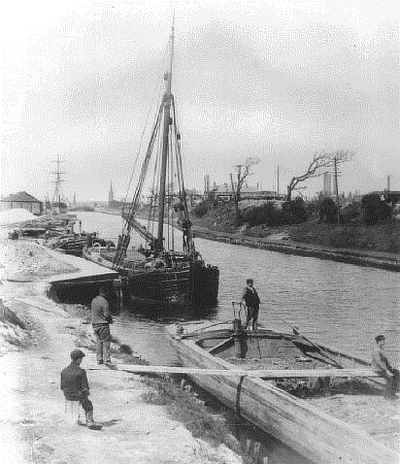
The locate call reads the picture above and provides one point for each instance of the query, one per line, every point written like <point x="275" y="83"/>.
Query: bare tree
<point x="242" y="171"/>
<point x="317" y="167"/>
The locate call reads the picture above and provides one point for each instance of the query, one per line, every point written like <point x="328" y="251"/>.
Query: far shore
<point x="280" y="243"/>
<point x="278" y="239"/>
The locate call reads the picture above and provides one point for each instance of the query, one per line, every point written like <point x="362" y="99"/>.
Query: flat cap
<point x="76" y="354"/>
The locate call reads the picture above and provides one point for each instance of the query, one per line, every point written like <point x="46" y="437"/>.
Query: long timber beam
<point x="265" y="374"/>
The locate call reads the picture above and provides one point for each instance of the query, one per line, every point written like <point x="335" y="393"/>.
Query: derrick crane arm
<point x="141" y="230"/>
<point x="123" y="242"/>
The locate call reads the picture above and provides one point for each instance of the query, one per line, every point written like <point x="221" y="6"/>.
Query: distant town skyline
<point x="275" y="80"/>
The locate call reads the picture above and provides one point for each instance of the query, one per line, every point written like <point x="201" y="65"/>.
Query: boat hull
<point x="191" y="284"/>
<point x="194" y="285"/>
<point x="309" y="431"/>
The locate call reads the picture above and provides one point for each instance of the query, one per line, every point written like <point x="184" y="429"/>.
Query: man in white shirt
<point x="101" y="320"/>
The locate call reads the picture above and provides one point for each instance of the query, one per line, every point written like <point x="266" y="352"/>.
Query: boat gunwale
<point x="263" y="331"/>
<point x="348" y="430"/>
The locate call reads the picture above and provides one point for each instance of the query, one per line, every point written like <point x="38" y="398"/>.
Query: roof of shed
<point x="21" y="196"/>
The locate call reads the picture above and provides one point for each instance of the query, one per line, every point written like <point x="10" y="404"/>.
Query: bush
<point x="345" y="237"/>
<point x="296" y="210"/>
<point x="202" y="208"/>
<point x="351" y="213"/>
<point x="292" y="212"/>
<point x="374" y="209"/>
<point x="394" y="242"/>
<point x="328" y="211"/>
<point x="312" y="210"/>
<point x="265" y="214"/>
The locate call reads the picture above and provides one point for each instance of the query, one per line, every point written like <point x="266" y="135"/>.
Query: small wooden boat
<point x="72" y="245"/>
<point x="274" y="371"/>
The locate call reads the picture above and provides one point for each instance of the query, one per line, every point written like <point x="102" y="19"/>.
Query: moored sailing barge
<point x="161" y="274"/>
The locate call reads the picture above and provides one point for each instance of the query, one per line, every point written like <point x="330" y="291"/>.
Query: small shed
<point x="22" y="200"/>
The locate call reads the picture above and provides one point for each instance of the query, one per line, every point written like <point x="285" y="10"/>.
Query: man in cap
<point x="75" y="386"/>
<point x="382" y="366"/>
<point x="101" y="320"/>
<point x="252" y="301"/>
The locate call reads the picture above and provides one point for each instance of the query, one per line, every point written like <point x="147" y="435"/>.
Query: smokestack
<point x="388" y="183"/>
<point x="207" y="183"/>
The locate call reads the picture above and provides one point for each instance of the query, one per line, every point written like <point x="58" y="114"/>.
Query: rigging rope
<point x="157" y="92"/>
<point x="154" y="187"/>
<point x="124" y="238"/>
<point x="187" y="229"/>
<point x="171" y="204"/>
<point x="169" y="193"/>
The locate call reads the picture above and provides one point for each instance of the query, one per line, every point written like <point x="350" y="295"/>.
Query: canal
<point x="337" y="304"/>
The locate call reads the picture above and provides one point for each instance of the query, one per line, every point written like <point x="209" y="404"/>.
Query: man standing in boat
<point x="101" y="320"/>
<point x="382" y="366"/>
<point x="252" y="301"/>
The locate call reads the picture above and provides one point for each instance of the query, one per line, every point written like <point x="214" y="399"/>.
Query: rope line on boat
<point x="208" y="326"/>
<point x="320" y="349"/>
<point x="156" y="97"/>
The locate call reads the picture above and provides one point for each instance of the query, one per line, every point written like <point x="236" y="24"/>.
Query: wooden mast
<point x="165" y="145"/>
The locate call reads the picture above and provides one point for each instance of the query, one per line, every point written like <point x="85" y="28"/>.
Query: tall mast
<point x="58" y="181"/>
<point x="165" y="145"/>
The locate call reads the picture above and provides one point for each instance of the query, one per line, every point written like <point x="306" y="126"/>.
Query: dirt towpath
<point x="33" y="423"/>
<point x="34" y="428"/>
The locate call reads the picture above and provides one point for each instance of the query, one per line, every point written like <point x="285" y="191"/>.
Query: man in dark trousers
<point x="382" y="366"/>
<point x="101" y="320"/>
<point x="251" y="299"/>
<point x="75" y="386"/>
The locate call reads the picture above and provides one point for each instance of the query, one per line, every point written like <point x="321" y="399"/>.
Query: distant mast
<point x="165" y="146"/>
<point x="58" y="193"/>
<point x="110" y="195"/>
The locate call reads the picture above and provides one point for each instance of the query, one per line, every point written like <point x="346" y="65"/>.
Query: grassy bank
<point x="383" y="237"/>
<point x="183" y="405"/>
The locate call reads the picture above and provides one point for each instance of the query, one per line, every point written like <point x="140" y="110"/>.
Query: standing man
<point x="382" y="366"/>
<point x="101" y="320"/>
<point x="251" y="299"/>
<point x="75" y="387"/>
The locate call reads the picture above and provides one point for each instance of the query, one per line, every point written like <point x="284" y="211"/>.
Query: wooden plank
<point x="221" y="346"/>
<point x="265" y="374"/>
<point x="87" y="280"/>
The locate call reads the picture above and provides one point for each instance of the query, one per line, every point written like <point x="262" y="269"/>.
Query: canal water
<point x="337" y="304"/>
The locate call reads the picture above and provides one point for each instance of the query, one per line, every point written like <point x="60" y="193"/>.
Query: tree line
<point x="370" y="211"/>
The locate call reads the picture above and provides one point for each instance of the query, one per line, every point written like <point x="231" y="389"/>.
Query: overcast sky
<point x="278" y="80"/>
